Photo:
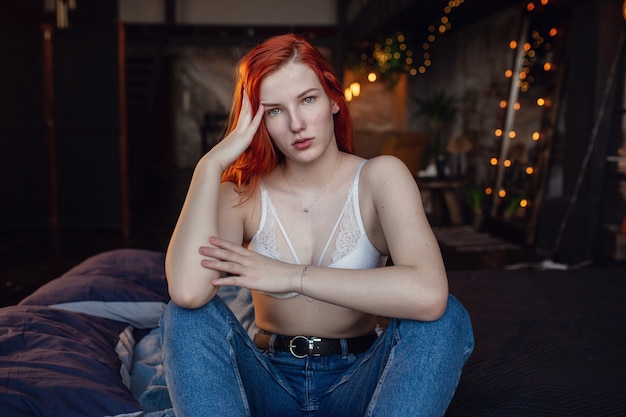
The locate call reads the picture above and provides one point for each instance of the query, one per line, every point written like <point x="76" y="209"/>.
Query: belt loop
<point x="272" y="340"/>
<point x="344" y="348"/>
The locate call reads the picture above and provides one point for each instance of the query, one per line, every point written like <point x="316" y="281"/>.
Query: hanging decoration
<point x="398" y="53"/>
<point x="516" y="164"/>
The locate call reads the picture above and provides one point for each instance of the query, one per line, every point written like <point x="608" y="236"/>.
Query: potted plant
<point x="475" y="197"/>
<point x="440" y="109"/>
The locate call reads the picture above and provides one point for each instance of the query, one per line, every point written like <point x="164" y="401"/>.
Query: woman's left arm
<point x="414" y="287"/>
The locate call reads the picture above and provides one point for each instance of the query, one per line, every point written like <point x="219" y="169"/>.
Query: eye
<point x="273" y="112"/>
<point x="309" y="100"/>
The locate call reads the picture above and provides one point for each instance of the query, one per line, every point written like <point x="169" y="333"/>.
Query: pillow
<point x="60" y="363"/>
<point x="66" y="350"/>
<point x="126" y="285"/>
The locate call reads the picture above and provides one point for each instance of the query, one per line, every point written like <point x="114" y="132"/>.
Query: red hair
<point x="262" y="156"/>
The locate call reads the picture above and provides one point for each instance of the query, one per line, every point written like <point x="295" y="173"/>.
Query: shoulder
<point x="387" y="182"/>
<point x="386" y="169"/>
<point x="386" y="162"/>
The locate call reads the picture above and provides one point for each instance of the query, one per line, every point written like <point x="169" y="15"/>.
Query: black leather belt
<point x="303" y="346"/>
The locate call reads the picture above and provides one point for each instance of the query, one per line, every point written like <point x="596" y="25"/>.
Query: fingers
<point x="247" y="122"/>
<point x="223" y="252"/>
<point x="258" y="117"/>
<point x="240" y="138"/>
<point x="245" y="115"/>
<point x="226" y="244"/>
<point x="226" y="257"/>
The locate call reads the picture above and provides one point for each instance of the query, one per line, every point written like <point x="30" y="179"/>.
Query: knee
<point x="453" y="325"/>
<point x="456" y="316"/>
<point x="184" y="320"/>
<point x="456" y="312"/>
<point x="457" y="322"/>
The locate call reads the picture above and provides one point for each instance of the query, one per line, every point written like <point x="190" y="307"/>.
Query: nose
<point x="296" y="121"/>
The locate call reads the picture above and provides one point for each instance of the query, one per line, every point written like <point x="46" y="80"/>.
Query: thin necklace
<point x="306" y="208"/>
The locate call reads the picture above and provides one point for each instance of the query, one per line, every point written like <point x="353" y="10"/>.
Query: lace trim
<point x="348" y="235"/>
<point x="266" y="238"/>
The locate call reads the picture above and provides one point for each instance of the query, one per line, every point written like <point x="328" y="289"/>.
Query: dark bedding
<point x="67" y="349"/>
<point x="60" y="363"/>
<point x="548" y="343"/>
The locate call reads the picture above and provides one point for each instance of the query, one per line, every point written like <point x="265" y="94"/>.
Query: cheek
<point x="325" y="121"/>
<point x="278" y="133"/>
<point x="275" y="127"/>
<point x="319" y="118"/>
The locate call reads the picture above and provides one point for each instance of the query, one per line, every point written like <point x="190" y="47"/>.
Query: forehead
<point x="287" y="81"/>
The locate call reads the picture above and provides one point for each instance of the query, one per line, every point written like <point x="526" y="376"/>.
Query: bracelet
<point x="306" y="268"/>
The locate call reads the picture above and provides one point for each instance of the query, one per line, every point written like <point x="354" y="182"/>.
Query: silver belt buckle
<point x="310" y="341"/>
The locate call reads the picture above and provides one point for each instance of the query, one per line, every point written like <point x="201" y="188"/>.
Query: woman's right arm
<point x="189" y="283"/>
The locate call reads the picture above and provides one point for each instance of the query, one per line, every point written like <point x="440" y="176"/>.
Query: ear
<point x="334" y="107"/>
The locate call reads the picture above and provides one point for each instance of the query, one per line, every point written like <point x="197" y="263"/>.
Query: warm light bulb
<point x="502" y="193"/>
<point x="355" y="89"/>
<point x="493" y="161"/>
<point x="507" y="163"/>
<point x="348" y="94"/>
<point x="530" y="171"/>
<point x="371" y="77"/>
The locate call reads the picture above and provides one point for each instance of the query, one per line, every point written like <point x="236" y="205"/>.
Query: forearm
<point x="412" y="292"/>
<point x="189" y="283"/>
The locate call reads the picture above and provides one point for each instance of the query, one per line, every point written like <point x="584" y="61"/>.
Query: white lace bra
<point x="348" y="245"/>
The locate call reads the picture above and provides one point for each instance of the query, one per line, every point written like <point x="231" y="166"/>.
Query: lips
<point x="301" y="144"/>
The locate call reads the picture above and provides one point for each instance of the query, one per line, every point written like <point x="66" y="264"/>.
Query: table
<point x="442" y="194"/>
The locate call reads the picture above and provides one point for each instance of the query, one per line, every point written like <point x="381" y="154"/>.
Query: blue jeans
<point x="213" y="368"/>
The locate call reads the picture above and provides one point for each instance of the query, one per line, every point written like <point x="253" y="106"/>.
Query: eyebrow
<point x="301" y="95"/>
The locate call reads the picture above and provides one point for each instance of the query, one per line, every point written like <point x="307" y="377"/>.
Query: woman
<point x="282" y="207"/>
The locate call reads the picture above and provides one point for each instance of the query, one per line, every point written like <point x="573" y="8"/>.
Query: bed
<point x="548" y="343"/>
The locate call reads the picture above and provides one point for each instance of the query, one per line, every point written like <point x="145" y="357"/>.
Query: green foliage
<point x="440" y="109"/>
<point x="474" y="196"/>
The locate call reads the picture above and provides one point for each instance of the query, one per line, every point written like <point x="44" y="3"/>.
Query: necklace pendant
<point x="304" y="209"/>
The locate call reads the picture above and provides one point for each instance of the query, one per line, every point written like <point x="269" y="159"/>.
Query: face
<point x="298" y="113"/>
